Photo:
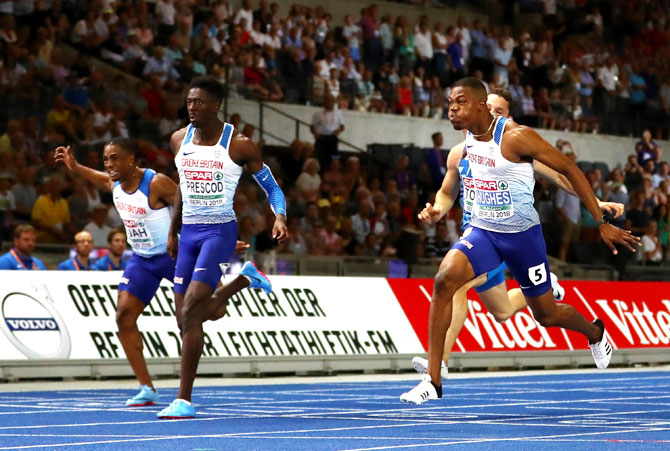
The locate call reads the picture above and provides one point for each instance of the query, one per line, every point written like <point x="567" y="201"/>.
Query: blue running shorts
<point x="202" y="247"/>
<point x="143" y="275"/>
<point x="525" y="254"/>
<point x="495" y="277"/>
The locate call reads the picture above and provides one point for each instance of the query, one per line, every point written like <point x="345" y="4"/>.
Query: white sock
<point x="184" y="401"/>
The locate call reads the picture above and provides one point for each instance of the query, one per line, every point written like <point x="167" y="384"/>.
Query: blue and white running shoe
<point x="258" y="279"/>
<point x="177" y="410"/>
<point x="145" y="397"/>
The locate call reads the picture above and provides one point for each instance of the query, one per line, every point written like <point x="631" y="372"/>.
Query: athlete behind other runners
<point x="491" y="287"/>
<point x="505" y="227"/>
<point x="209" y="157"/>
<point x="142" y="197"/>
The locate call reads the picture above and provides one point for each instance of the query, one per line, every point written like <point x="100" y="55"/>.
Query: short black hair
<point x="504" y="93"/>
<point x="473" y="83"/>
<point x="434" y="135"/>
<point x="209" y="84"/>
<point x="126" y="144"/>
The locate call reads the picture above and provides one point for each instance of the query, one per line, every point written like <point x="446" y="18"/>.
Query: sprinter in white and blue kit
<point x="210" y="157"/>
<point x="143" y="199"/>
<point x="506" y="227"/>
<point x="490" y="287"/>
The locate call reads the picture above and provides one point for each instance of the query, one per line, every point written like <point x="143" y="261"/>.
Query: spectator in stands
<point x="647" y="149"/>
<point x="98" y="227"/>
<point x="378" y="224"/>
<point x="116" y="245"/>
<point x="651" y="196"/>
<point x="372" y="44"/>
<point x="20" y="256"/>
<point x="309" y="181"/>
<point x="310" y="217"/>
<point x="662" y="174"/>
<point x="60" y="124"/>
<point x="651" y="245"/>
<point x="637" y="218"/>
<point x="617" y="192"/>
<point x="324" y="209"/>
<point x="633" y="174"/>
<point x="439" y="244"/>
<point x="423" y="46"/>
<point x="25" y="194"/>
<point x="402" y="176"/>
<point x="436" y="161"/>
<point x="361" y="220"/>
<point x="528" y="111"/>
<point x="331" y="240"/>
<point x="83" y="246"/>
<point x="315" y="239"/>
<point x="569" y="215"/>
<point x="86" y="35"/>
<point x="245" y="13"/>
<point x="352" y="33"/>
<point x="326" y="127"/>
<point x="78" y="204"/>
<point x="165" y="17"/>
<point x="404" y="104"/>
<point x="161" y="66"/>
<point x="662" y="217"/>
<point x="7" y="204"/>
<point x="51" y="214"/>
<point x="296" y="243"/>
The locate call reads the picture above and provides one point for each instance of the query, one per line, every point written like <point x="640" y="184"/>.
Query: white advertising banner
<point x="71" y="315"/>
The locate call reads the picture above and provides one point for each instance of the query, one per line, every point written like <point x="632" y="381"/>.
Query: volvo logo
<point x="31" y="323"/>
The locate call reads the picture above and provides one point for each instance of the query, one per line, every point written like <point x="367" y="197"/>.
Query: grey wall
<point x="362" y="129"/>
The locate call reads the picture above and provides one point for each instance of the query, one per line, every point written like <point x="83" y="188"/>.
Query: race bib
<point x="468" y="194"/>
<point x="204" y="188"/>
<point x="493" y="199"/>
<point x="139" y="236"/>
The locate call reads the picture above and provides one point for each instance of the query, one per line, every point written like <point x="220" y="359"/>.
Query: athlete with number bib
<point x="143" y="199"/>
<point x="506" y="227"/>
<point x="209" y="156"/>
<point x="490" y="287"/>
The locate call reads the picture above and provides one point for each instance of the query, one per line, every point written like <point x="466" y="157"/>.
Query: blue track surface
<point x="628" y="411"/>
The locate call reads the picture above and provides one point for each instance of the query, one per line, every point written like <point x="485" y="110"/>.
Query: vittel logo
<point x="32" y="324"/>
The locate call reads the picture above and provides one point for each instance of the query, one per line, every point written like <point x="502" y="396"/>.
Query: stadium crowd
<point x="588" y="66"/>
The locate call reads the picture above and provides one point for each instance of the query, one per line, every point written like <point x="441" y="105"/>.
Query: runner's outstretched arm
<point x="563" y="183"/>
<point x="100" y="179"/>
<point x="521" y="142"/>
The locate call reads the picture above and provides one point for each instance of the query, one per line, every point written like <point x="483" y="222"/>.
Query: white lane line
<point x="491" y="440"/>
<point x="198" y="437"/>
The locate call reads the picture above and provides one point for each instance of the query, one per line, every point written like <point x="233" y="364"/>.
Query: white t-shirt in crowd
<point x="648" y="245"/>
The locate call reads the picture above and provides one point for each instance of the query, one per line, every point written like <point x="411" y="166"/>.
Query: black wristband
<point x="603" y="220"/>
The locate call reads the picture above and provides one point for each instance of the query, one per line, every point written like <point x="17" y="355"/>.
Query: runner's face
<point x="464" y="108"/>
<point x="201" y="106"/>
<point x="498" y="105"/>
<point x="119" y="164"/>
<point x="118" y="244"/>
<point x="25" y="243"/>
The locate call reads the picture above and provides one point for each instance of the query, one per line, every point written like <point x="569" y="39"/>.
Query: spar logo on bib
<point x="32" y="324"/>
<point x="493" y="199"/>
<point x="218" y="176"/>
